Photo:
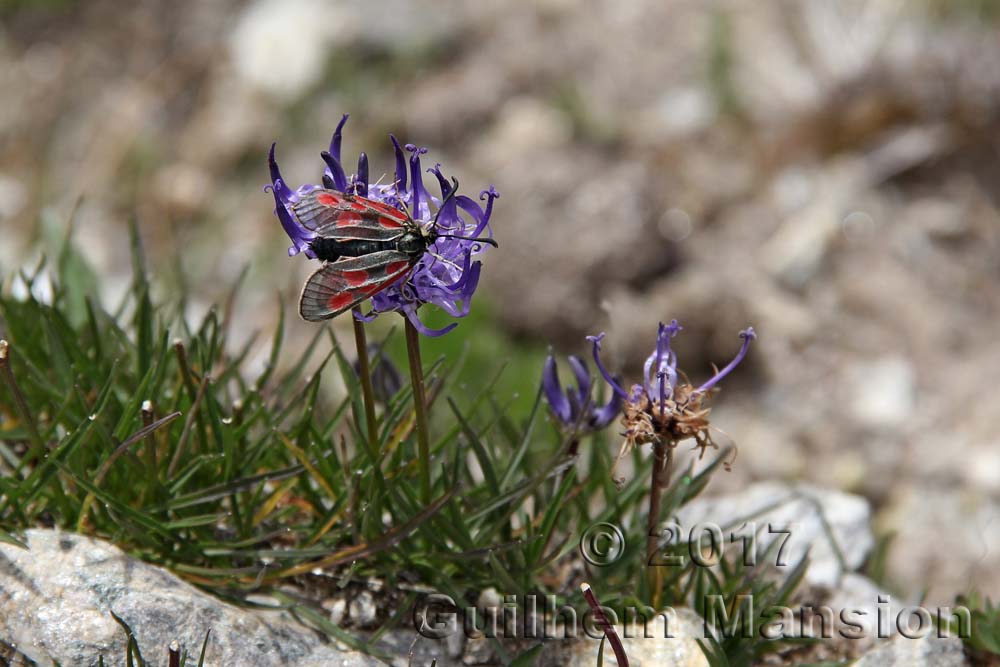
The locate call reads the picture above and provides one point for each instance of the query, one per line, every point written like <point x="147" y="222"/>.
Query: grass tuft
<point x="136" y="426"/>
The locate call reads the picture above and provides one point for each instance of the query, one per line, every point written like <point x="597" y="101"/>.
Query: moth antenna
<point x="478" y="239"/>
<point x="451" y="194"/>
<point x="434" y="225"/>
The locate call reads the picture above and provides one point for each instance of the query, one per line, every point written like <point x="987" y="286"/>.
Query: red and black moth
<point x="365" y="246"/>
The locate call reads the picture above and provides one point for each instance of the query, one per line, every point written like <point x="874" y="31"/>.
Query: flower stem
<point x="663" y="456"/>
<point x="420" y="410"/>
<point x="367" y="392"/>
<point x="572" y="451"/>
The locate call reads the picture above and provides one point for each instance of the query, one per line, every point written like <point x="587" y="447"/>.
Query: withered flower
<point x="665" y="409"/>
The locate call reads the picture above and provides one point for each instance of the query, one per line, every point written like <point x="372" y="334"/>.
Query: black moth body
<point x="365" y="247"/>
<point x="410" y="243"/>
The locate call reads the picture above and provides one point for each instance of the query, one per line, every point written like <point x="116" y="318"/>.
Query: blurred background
<point x="825" y="171"/>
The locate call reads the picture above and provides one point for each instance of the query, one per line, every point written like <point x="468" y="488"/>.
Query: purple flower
<point x="447" y="275"/>
<point x="659" y="387"/>
<point x="574" y="407"/>
<point x="662" y="408"/>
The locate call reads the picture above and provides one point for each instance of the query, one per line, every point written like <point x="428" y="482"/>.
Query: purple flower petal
<point x="283" y="197"/>
<point x="481" y="217"/>
<point x="337" y="137"/>
<point x="747" y="335"/>
<point x="361" y="181"/>
<point x="419" y="197"/>
<point x="411" y="315"/>
<point x="553" y="391"/>
<point x="604" y="415"/>
<point x="448" y="221"/>
<point x="596" y="340"/>
<point x="664" y="361"/>
<point x="335" y="171"/>
<point x="465" y="274"/>
<point x="400" y="165"/>
<point x="471" y="283"/>
<point x="442" y="181"/>
<point x="281" y="191"/>
<point x="582" y="374"/>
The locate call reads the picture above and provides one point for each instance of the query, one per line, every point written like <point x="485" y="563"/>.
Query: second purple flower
<point x="661" y="409"/>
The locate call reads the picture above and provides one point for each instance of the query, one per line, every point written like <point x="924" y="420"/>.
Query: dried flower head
<point x="664" y="408"/>
<point x="574" y="407"/>
<point x="446" y="276"/>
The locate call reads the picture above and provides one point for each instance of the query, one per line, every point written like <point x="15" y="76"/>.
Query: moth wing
<point x="338" y="286"/>
<point x="384" y="210"/>
<point x="340" y="232"/>
<point x="342" y="216"/>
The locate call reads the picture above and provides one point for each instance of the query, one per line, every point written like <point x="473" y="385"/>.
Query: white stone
<point x="281" y="46"/>
<point x="795" y="252"/>
<point x="882" y="391"/>
<point x="489" y="598"/>
<point x="337" y="607"/>
<point x="363" y="610"/>
<point x="59" y="595"/>
<point x="822" y="522"/>
<point x="926" y="651"/>
<point x="650" y="648"/>
<point x="686" y="110"/>
<point x="870" y="606"/>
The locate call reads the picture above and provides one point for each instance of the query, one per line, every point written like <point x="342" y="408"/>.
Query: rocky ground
<point x="824" y="171"/>
<point x="60" y="592"/>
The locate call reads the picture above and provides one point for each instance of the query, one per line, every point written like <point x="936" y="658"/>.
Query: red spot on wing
<point x="391" y="223"/>
<point x="348" y="219"/>
<point x="339" y="301"/>
<point x="389" y="216"/>
<point x="395" y="267"/>
<point x="385" y="209"/>
<point x="355" y="278"/>
<point x="326" y="199"/>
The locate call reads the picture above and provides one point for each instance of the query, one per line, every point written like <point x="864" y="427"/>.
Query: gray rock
<point x="363" y="611"/>
<point x="927" y="651"/>
<point x="56" y="600"/>
<point x="832" y="526"/>
<point x="850" y="620"/>
<point x="478" y="651"/>
<point x="337" y="608"/>
<point x="302" y="53"/>
<point x="644" y="649"/>
<point x="796" y="251"/>
<point x="882" y="391"/>
<point x="861" y="596"/>
<point x="962" y="523"/>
